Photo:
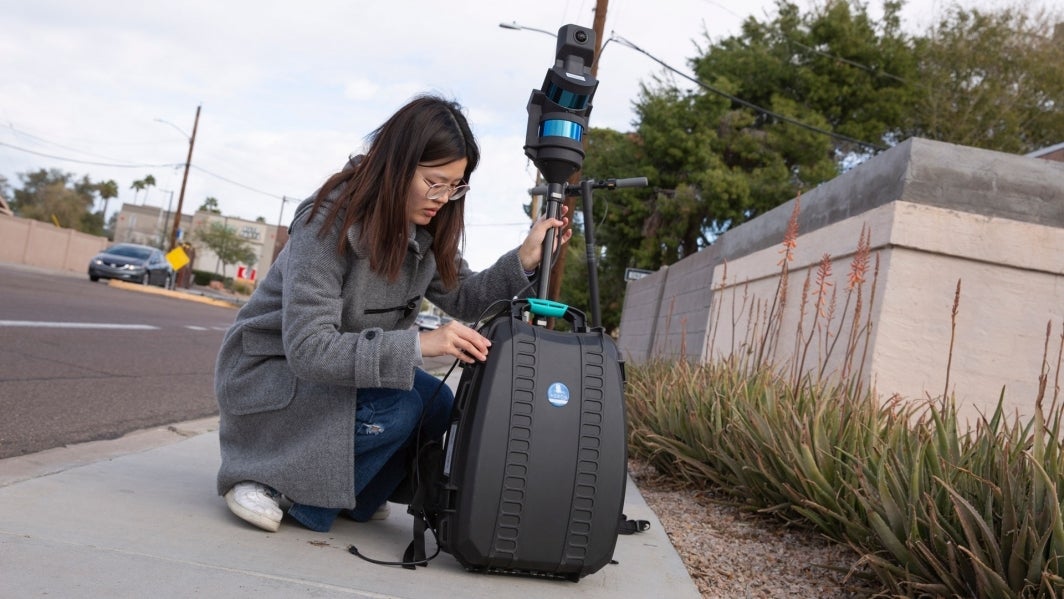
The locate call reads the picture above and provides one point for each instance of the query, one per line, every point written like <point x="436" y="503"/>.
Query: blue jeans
<point x="386" y="425"/>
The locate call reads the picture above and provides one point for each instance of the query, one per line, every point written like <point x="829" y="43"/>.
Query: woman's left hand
<point x="531" y="250"/>
<point x="455" y="339"/>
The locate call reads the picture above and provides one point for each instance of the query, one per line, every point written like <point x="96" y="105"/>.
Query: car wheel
<point x="168" y="281"/>
<point x="94" y="278"/>
<point x="146" y="279"/>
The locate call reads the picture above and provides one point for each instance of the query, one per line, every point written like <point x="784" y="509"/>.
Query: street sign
<point x="633" y="274"/>
<point x="177" y="258"/>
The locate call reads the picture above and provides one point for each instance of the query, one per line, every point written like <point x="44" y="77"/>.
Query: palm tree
<point x="137" y="187"/>
<point x="140" y="185"/>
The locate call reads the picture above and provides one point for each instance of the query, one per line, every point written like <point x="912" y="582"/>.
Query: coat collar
<point x="420" y="243"/>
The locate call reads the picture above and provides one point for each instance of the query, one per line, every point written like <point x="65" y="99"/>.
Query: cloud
<point x="288" y="90"/>
<point x="360" y="90"/>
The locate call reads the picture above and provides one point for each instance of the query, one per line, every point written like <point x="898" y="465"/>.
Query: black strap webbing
<point x="414" y="555"/>
<point x="627" y="527"/>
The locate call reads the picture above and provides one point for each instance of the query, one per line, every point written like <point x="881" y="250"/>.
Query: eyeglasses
<point x="438" y="190"/>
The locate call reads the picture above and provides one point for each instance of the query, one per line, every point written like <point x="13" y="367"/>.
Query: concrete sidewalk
<point x="138" y="517"/>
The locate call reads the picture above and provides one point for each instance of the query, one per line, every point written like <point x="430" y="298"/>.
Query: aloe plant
<point x="930" y="506"/>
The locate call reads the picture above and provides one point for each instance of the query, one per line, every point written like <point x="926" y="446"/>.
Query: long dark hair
<point x="427" y="130"/>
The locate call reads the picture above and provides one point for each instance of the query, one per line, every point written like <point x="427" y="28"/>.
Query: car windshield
<point x="129" y="251"/>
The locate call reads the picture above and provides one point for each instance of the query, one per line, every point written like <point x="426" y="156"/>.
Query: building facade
<point x="147" y="225"/>
<point x="150" y="225"/>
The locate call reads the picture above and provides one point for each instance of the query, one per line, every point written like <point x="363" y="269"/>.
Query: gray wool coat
<point x="319" y="326"/>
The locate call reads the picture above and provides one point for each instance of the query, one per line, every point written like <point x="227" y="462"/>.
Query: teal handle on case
<point x="548" y="308"/>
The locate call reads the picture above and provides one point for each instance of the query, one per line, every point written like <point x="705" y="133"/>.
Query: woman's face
<point x="420" y="209"/>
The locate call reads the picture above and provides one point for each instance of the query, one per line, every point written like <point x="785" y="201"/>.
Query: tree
<point x="210" y="205"/>
<point x="833" y="69"/>
<point x="617" y="217"/>
<point x="226" y="244"/>
<point x="54" y="196"/>
<point x="107" y="190"/>
<point x="773" y="111"/>
<point x="55" y="203"/>
<point x="574" y="288"/>
<point x="140" y="185"/>
<point x="5" y="195"/>
<point x="992" y="80"/>
<point x="794" y="100"/>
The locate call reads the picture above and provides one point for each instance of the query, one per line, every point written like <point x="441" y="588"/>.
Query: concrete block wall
<point x="935" y="213"/>
<point x="35" y="243"/>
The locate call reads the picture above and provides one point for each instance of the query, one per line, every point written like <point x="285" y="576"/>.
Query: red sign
<point x="242" y="272"/>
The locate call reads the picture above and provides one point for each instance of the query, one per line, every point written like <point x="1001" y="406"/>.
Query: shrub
<point x="204" y="277"/>
<point x="242" y="286"/>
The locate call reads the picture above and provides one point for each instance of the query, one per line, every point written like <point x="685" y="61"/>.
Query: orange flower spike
<point x="823" y="282"/>
<point x="859" y="264"/>
<point x="790" y="237"/>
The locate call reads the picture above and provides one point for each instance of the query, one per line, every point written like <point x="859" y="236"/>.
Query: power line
<point x="18" y="133"/>
<point x="230" y="181"/>
<point x="89" y="162"/>
<point x="126" y="165"/>
<point x="852" y="63"/>
<point x="750" y="105"/>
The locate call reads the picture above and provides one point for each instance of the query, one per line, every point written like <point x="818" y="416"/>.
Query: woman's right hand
<point x="455" y="339"/>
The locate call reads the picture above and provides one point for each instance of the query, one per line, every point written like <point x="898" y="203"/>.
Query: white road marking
<point x="75" y="325"/>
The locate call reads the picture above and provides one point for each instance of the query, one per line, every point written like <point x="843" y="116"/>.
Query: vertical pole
<point x="184" y="180"/>
<point x="280" y="222"/>
<point x="598" y="25"/>
<point x="555" y="197"/>
<point x="166" y="219"/>
<point x="592" y="257"/>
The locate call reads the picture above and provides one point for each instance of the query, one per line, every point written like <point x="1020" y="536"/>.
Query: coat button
<point x="371" y="334"/>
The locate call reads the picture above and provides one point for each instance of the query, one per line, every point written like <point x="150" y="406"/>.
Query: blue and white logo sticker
<point x="558" y="394"/>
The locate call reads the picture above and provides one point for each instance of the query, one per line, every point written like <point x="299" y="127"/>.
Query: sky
<point x="109" y="89"/>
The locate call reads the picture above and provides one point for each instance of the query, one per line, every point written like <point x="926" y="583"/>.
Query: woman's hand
<point x="531" y="250"/>
<point x="455" y="339"/>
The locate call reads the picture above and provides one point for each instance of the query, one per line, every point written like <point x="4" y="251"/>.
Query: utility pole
<point x="280" y="217"/>
<point x="570" y="202"/>
<point x="184" y="180"/>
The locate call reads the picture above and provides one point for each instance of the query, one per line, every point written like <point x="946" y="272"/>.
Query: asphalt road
<point x="84" y="361"/>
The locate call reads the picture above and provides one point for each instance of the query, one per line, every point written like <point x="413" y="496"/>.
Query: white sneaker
<point x="382" y="512"/>
<point x="255" y="503"/>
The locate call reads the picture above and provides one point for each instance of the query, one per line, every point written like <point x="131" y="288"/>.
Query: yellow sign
<point x="177" y="258"/>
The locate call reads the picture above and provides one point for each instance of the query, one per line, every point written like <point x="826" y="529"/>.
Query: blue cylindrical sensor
<point x="566" y="98"/>
<point x="561" y="128"/>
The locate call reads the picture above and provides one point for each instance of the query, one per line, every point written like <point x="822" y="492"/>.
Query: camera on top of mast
<point x="558" y="113"/>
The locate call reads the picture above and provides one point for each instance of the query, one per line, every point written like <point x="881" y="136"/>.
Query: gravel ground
<point x="731" y="553"/>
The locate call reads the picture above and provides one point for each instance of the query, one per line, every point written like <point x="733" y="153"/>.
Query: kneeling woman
<point x="319" y="383"/>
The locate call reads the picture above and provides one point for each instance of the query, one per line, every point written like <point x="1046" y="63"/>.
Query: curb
<point x="59" y="459"/>
<point x="194" y="296"/>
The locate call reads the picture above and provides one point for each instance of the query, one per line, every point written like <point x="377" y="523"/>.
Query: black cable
<point x="417" y="482"/>
<point x="852" y="63"/>
<point x="354" y="551"/>
<point x="750" y="105"/>
<point x="217" y="176"/>
<point x="134" y="165"/>
<point x="89" y="162"/>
